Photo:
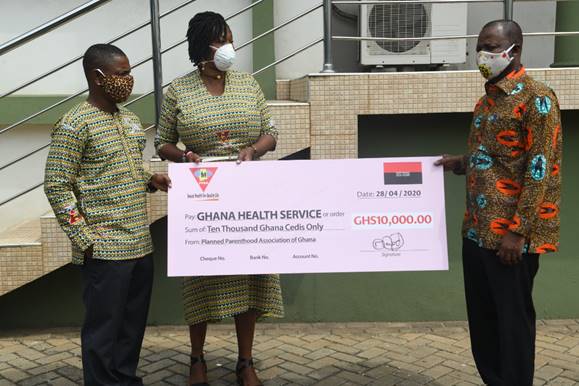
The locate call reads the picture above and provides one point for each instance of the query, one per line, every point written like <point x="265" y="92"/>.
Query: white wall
<point x="297" y="35"/>
<point x="70" y="40"/>
<point x="538" y="16"/>
<point x="101" y="25"/>
<point x="117" y="16"/>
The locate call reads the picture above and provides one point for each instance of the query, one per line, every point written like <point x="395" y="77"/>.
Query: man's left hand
<point x="511" y="249"/>
<point x="160" y="181"/>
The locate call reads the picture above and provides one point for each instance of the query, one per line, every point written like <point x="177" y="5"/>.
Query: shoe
<point x="243" y="364"/>
<point x="194" y="361"/>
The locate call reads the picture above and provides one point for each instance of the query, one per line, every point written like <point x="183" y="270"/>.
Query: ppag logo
<point x="203" y="176"/>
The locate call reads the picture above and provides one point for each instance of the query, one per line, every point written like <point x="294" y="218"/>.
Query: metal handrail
<point x="450" y="37"/>
<point x="243" y="45"/>
<point x="36" y="186"/>
<point x="2" y="131"/>
<point x="238" y="48"/>
<point x="289" y="56"/>
<point x="376" y="2"/>
<point x="50" y="25"/>
<point x="355" y="38"/>
<point x="8" y="128"/>
<point x="28" y="190"/>
<point x="283" y="24"/>
<point x="21" y="158"/>
<point x="328" y="66"/>
<point x="115" y="39"/>
<point x="151" y="126"/>
<point x="179" y="42"/>
<point x="140" y="97"/>
<point x="328" y="38"/>
<point x="157" y="59"/>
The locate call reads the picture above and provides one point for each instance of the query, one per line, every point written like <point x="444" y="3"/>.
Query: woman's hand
<point x="247" y="154"/>
<point x="173" y="153"/>
<point x="189" y="156"/>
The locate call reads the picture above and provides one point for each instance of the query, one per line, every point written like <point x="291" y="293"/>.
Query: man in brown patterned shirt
<point x="513" y="173"/>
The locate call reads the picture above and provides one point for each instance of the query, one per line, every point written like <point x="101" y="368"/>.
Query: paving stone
<point x="71" y="372"/>
<point x="63" y="382"/>
<point x="548" y="372"/>
<point x="324" y="354"/>
<point x="41" y="379"/>
<point x="14" y="374"/>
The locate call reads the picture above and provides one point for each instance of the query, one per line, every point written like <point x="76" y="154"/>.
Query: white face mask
<point x="492" y="64"/>
<point x="224" y="56"/>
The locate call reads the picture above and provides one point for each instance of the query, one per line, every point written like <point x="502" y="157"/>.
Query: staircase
<point x="37" y="247"/>
<point x="318" y="112"/>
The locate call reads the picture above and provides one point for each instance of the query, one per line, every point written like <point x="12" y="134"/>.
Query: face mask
<point x="224" y="57"/>
<point x="117" y="87"/>
<point x="493" y="64"/>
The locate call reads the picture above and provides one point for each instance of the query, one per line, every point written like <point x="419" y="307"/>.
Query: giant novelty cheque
<point x="356" y="215"/>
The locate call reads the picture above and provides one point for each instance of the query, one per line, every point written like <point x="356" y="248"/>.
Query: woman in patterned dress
<point x="215" y="111"/>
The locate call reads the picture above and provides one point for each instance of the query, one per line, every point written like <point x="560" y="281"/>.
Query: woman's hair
<point x="204" y="29"/>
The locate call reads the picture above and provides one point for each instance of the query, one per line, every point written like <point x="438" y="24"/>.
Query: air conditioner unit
<point x="398" y="20"/>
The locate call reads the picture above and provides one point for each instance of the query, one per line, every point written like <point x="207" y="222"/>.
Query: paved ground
<point x="299" y="354"/>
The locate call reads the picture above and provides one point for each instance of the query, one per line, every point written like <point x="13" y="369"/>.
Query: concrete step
<point x="31" y="250"/>
<point x="20" y="256"/>
<point x="37" y="247"/>
<point x="26" y="234"/>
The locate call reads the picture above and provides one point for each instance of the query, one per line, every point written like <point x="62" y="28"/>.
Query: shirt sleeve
<point x="61" y="172"/>
<point x="267" y="123"/>
<point x="542" y="127"/>
<point x="142" y="143"/>
<point x="167" y="129"/>
<point x="147" y="175"/>
<point x="461" y="170"/>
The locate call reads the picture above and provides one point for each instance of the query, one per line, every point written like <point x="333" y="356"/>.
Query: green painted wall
<point x="263" y="49"/>
<point x="16" y="108"/>
<point x="54" y="300"/>
<point x="439" y="295"/>
<point x="566" y="53"/>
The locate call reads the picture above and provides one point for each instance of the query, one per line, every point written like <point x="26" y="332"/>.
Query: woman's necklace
<point x="216" y="76"/>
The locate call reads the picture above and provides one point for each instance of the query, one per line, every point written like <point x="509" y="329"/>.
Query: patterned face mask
<point x="117" y="87"/>
<point x="492" y="64"/>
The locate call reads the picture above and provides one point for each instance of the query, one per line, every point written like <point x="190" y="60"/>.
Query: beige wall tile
<point x="18" y="266"/>
<point x="56" y="248"/>
<point x="282" y="87"/>
<point x="334" y="146"/>
<point x="299" y="89"/>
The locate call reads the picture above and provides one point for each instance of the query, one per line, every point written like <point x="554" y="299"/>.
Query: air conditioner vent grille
<point x="398" y="21"/>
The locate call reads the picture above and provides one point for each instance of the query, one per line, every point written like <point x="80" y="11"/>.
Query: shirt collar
<point x="507" y="84"/>
<point x="120" y="110"/>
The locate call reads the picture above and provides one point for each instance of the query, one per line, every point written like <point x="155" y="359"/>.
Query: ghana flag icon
<point x="402" y="173"/>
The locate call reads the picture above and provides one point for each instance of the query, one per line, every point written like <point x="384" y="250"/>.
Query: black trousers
<point x="501" y="315"/>
<point x="116" y="296"/>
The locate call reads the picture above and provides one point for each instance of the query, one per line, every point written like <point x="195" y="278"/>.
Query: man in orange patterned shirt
<point x="513" y="172"/>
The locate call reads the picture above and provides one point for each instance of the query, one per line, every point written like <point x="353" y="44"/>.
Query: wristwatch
<point x="184" y="156"/>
